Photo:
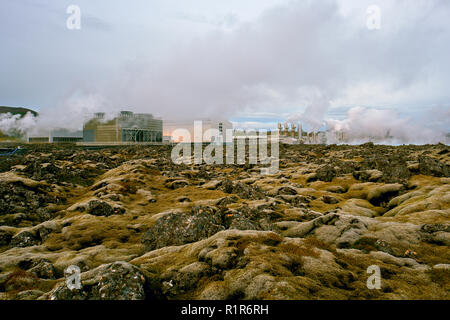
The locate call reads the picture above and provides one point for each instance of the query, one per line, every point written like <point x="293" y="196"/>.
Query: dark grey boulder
<point x="179" y="228"/>
<point x="24" y="239"/>
<point x="326" y="173"/>
<point x="102" y="208"/>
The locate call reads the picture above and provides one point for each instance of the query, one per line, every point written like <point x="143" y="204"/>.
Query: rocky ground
<point x="140" y="227"/>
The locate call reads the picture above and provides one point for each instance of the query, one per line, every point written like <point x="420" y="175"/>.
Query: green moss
<point x="441" y="277"/>
<point x="365" y="244"/>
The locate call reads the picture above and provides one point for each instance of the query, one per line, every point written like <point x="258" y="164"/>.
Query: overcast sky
<point x="235" y="58"/>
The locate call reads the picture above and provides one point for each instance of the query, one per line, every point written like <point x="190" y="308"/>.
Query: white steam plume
<point x="16" y="124"/>
<point x="381" y="126"/>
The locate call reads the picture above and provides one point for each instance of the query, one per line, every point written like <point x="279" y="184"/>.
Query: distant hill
<point x="14" y="110"/>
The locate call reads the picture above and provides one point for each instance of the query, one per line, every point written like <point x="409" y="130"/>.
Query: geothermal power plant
<point x="128" y="127"/>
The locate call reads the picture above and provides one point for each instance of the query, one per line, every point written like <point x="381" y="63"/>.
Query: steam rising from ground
<point x="382" y="126"/>
<point x="73" y="112"/>
<point x="361" y="125"/>
<point x="15" y="124"/>
<point x="70" y="115"/>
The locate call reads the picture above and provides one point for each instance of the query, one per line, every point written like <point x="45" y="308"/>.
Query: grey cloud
<point x="299" y="58"/>
<point x="290" y="52"/>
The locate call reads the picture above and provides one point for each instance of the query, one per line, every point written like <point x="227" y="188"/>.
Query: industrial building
<point x="294" y="134"/>
<point x="56" y="136"/>
<point x="253" y="136"/>
<point x="184" y="131"/>
<point x="126" y="127"/>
